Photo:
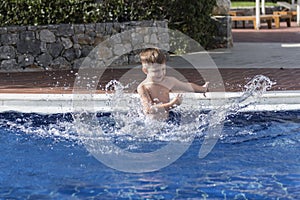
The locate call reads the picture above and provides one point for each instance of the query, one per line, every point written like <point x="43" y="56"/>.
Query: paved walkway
<point x="282" y="35"/>
<point x="264" y="48"/>
<point x="254" y="52"/>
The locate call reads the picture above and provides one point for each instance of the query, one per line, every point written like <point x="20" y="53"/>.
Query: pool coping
<point x="68" y="103"/>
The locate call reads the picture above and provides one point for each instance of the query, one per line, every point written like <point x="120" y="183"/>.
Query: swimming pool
<point x="257" y="157"/>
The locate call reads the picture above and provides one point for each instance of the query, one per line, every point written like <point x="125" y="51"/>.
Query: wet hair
<point x="151" y="56"/>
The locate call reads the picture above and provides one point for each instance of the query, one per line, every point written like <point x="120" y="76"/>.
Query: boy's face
<point x="155" y="72"/>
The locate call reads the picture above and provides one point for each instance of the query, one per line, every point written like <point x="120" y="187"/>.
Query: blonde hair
<point x="151" y="56"/>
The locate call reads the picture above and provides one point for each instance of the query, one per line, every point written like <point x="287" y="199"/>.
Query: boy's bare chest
<point x="159" y="93"/>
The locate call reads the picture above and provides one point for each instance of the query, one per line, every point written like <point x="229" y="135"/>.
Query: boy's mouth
<point x="160" y="78"/>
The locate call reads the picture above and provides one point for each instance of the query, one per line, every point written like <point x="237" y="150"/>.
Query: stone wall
<point x="223" y="37"/>
<point x="222" y="7"/>
<point x="57" y="47"/>
<point x="65" y="46"/>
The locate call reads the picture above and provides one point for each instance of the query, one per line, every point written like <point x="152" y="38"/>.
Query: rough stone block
<point x="79" y="28"/>
<point x="222" y="7"/>
<point x="3" y="30"/>
<point x="67" y="43"/>
<point x="69" y="54"/>
<point x="99" y="39"/>
<point x="85" y="50"/>
<point x="65" y="30"/>
<point x="9" y="38"/>
<point x="117" y="27"/>
<point x="120" y="49"/>
<point x="9" y="65"/>
<point x="55" y="49"/>
<point x="27" y="36"/>
<point x="25" y="60"/>
<point x="44" y="60"/>
<point x="137" y="39"/>
<point x="29" y="47"/>
<point x="126" y="36"/>
<point x="15" y="29"/>
<point x="47" y="36"/>
<point x="90" y="28"/>
<point x="120" y="60"/>
<point x="84" y="39"/>
<point x="108" y="28"/>
<point x="44" y="47"/>
<point x="32" y="28"/>
<point x="78" y="62"/>
<point x="77" y="49"/>
<point x="60" y="63"/>
<point x="133" y="58"/>
<point x="7" y="52"/>
<point x="105" y="52"/>
<point x="100" y="28"/>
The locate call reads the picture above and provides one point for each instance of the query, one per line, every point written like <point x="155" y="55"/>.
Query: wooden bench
<point x="289" y="9"/>
<point x="267" y="18"/>
<point x="286" y="12"/>
<point x="237" y="13"/>
<point x="287" y="15"/>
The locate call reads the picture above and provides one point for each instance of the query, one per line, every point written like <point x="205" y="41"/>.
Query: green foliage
<point x="132" y="10"/>
<point x="190" y="17"/>
<point x="41" y="12"/>
<point x="272" y="2"/>
<point x="249" y="4"/>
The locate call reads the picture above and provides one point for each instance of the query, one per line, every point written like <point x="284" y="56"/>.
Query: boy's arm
<point x="162" y="107"/>
<point x="145" y="99"/>
<point x="189" y="87"/>
<point x="150" y="108"/>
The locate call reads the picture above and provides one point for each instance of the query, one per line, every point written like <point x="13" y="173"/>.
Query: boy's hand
<point x="205" y="87"/>
<point x="178" y="99"/>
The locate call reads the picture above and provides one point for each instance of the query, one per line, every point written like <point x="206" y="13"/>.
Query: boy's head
<point x="153" y="61"/>
<point x="152" y="56"/>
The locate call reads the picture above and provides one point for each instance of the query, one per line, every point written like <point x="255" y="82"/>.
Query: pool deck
<point x="270" y="52"/>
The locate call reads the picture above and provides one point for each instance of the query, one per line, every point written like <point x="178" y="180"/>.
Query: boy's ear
<point x="145" y="70"/>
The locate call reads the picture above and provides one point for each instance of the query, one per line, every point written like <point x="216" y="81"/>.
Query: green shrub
<point x="271" y="1"/>
<point x="41" y="12"/>
<point x="193" y="18"/>
<point x="190" y="17"/>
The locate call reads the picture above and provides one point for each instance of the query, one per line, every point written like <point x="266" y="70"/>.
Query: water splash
<point x="254" y="89"/>
<point x="129" y="128"/>
<point x="134" y="122"/>
<point x="57" y="127"/>
<point x="128" y="116"/>
<point x="128" y="124"/>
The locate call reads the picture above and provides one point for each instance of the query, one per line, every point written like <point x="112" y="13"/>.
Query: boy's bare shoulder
<point x="170" y="80"/>
<point x="141" y="87"/>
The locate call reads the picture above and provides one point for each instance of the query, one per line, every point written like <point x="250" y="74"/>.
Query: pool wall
<point x="65" y="103"/>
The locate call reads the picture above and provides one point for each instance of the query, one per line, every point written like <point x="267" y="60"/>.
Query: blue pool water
<point x="257" y="157"/>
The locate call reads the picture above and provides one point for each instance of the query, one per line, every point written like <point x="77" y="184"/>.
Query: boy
<point x="154" y="90"/>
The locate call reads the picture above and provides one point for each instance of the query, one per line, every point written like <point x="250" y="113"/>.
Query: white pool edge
<point x="66" y="103"/>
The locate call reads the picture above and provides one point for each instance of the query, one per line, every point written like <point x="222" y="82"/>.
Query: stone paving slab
<point x="258" y="55"/>
<point x="233" y="79"/>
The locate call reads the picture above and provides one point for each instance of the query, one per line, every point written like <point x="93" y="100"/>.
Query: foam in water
<point x="133" y="126"/>
<point x="193" y="123"/>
